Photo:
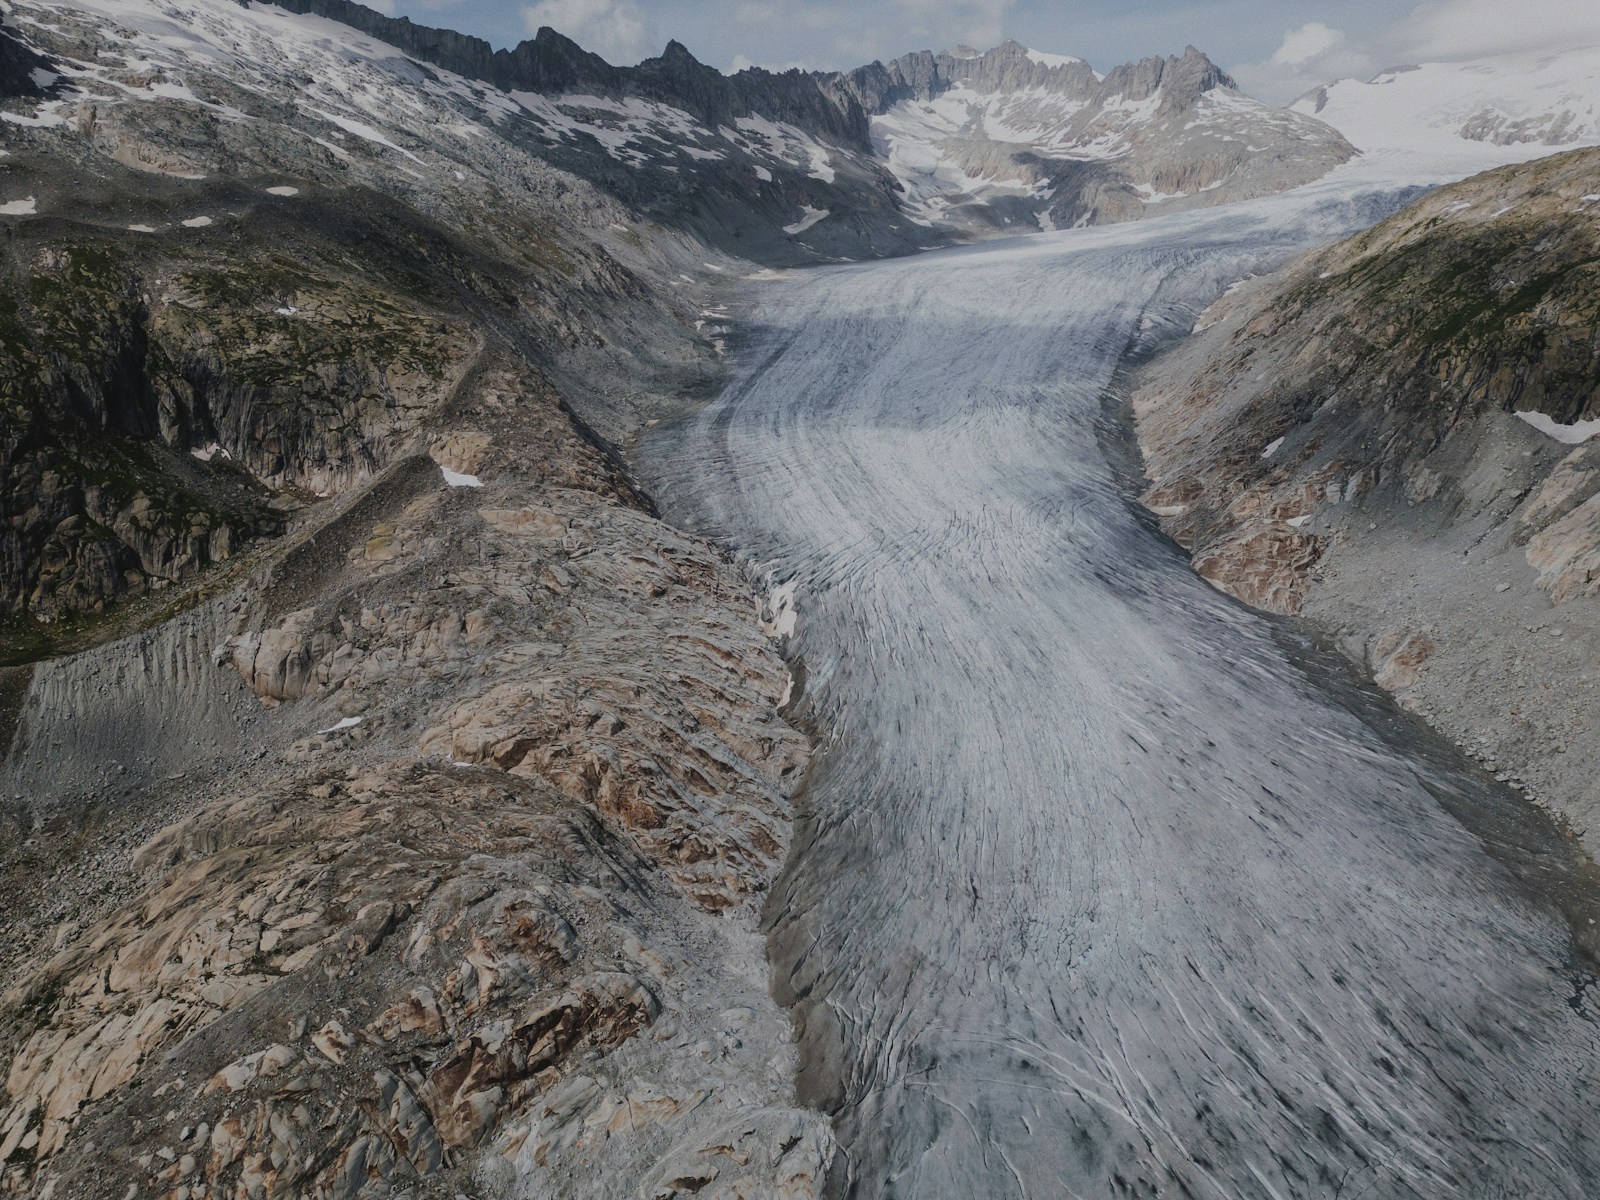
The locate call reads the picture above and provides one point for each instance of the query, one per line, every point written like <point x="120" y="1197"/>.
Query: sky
<point x="1276" y="49"/>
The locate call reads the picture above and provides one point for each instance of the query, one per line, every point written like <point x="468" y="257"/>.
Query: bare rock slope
<point x="1393" y="437"/>
<point x="401" y="824"/>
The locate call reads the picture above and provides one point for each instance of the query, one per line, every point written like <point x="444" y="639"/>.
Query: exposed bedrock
<point x="431" y="855"/>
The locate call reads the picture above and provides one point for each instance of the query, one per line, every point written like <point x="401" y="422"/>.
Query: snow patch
<point x="342" y="725"/>
<point x="456" y="479"/>
<point x="777" y="613"/>
<point x="1568" y="435"/>
<point x="809" y="218"/>
<point x="19" y="208"/>
<point x="284" y="190"/>
<point x="206" y="453"/>
<point x="1052" y="60"/>
<point x="141" y="228"/>
<point x="196" y="222"/>
<point x="1296" y="522"/>
<point x="1272" y="448"/>
<point x="821" y="164"/>
<point x="363" y="131"/>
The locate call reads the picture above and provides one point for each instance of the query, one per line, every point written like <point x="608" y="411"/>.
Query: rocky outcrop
<point x="480" y="910"/>
<point x="1389" y="437"/>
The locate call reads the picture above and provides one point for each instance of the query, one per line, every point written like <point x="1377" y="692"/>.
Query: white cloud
<point x="981" y="23"/>
<point x="790" y="17"/>
<point x="1309" y="55"/>
<point x="1310" y="41"/>
<point x="1460" y="29"/>
<point x="1436" y="30"/>
<point x="613" y="29"/>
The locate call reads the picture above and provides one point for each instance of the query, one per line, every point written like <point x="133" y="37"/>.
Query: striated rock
<point x="1567" y="554"/>
<point x="1266" y="567"/>
<point x="394" y="949"/>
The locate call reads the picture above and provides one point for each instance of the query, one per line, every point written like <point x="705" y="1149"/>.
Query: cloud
<point x="1434" y="31"/>
<point x="1310" y="41"/>
<point x="1460" y="29"/>
<point x="613" y="29"/>
<point x="790" y="17"/>
<point x="981" y="23"/>
<point x="1309" y="55"/>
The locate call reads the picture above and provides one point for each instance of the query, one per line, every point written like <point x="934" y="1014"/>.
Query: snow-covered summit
<point x="1523" y="102"/>
<point x="1015" y="136"/>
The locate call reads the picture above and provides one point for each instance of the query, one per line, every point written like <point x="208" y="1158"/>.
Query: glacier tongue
<point x="1099" y="892"/>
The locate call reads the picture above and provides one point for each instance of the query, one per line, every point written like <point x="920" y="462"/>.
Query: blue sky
<point x="1276" y="49"/>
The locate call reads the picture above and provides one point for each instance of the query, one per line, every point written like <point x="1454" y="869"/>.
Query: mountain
<point x="1014" y="136"/>
<point x="1533" y="101"/>
<point x="776" y="167"/>
<point x="389" y="796"/>
<point x="181" y="431"/>
<point x="1396" y="436"/>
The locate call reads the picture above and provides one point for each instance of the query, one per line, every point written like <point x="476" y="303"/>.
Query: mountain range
<point x="390" y="795"/>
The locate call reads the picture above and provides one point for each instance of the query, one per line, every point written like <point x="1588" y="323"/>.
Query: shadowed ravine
<point x="1098" y="893"/>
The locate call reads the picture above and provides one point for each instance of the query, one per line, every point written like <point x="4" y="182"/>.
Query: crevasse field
<point x="1099" y="891"/>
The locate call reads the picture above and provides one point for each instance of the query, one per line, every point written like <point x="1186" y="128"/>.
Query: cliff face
<point x="1391" y="436"/>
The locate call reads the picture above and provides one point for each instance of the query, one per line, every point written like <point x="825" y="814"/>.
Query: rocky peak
<point x="1181" y="79"/>
<point x="553" y="62"/>
<point x="1012" y="67"/>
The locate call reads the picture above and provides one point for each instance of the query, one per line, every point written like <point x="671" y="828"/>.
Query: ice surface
<point x="1097" y="892"/>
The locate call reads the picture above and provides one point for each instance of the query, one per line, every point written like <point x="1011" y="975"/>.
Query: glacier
<point x="1104" y="884"/>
